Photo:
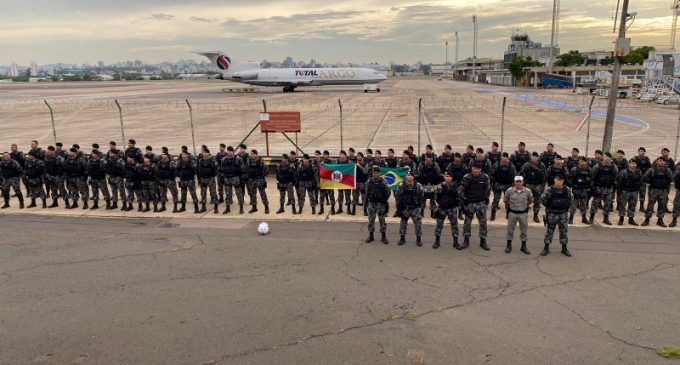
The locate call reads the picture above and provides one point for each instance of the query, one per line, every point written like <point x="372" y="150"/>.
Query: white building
<point x="34" y="69"/>
<point x="14" y="71"/>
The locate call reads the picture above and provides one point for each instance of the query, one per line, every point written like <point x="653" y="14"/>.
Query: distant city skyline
<point x="80" y="31"/>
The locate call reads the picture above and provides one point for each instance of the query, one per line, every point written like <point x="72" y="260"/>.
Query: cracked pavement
<point x="186" y="291"/>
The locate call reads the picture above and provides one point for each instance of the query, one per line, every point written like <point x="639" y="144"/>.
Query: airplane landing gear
<point x="288" y="89"/>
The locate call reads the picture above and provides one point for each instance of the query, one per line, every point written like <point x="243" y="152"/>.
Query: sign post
<point x="280" y="122"/>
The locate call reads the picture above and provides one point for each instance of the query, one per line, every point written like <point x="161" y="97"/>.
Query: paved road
<point x="188" y="291"/>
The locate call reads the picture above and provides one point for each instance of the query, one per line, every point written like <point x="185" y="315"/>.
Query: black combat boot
<point x="321" y="210"/>
<point x="606" y="220"/>
<point x="402" y="240"/>
<point x="383" y="239"/>
<point x="436" y="242"/>
<point x="483" y="244"/>
<point x="174" y="209"/>
<point x="460" y="214"/>
<point x="5" y="196"/>
<point x="366" y="211"/>
<point x="524" y="248"/>
<point x="536" y="218"/>
<point x="584" y="220"/>
<point x="240" y="209"/>
<point x="546" y="250"/>
<point x="646" y="222"/>
<point x="293" y="208"/>
<point x="632" y="221"/>
<point x="370" y="238"/>
<point x="339" y="209"/>
<point x="140" y="207"/>
<point x="203" y="210"/>
<point x="508" y="247"/>
<point x="660" y="223"/>
<point x="74" y="205"/>
<point x="456" y="245"/>
<point x="332" y="209"/>
<point x="349" y="209"/>
<point x="32" y="205"/>
<point x="130" y="207"/>
<point x="183" y="208"/>
<point x="55" y="203"/>
<point x="227" y="209"/>
<point x="155" y="208"/>
<point x="44" y="203"/>
<point x="419" y="243"/>
<point x="466" y="243"/>
<point x="674" y="222"/>
<point x="592" y="218"/>
<point x="396" y="214"/>
<point x="565" y="251"/>
<point x="571" y="218"/>
<point x="162" y="208"/>
<point x="146" y="207"/>
<point x="21" y="201"/>
<point x="95" y="205"/>
<point x="196" y="210"/>
<point x="266" y="209"/>
<point x="114" y="205"/>
<point x="620" y="223"/>
<point x="85" y="204"/>
<point x="493" y="214"/>
<point x="281" y="209"/>
<point x="253" y="209"/>
<point x="216" y="209"/>
<point x="108" y="205"/>
<point x="123" y="206"/>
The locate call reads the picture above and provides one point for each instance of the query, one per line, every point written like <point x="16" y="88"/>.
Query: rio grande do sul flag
<point x="337" y="177"/>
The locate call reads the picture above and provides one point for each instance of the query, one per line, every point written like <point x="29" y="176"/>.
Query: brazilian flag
<point x="394" y="176"/>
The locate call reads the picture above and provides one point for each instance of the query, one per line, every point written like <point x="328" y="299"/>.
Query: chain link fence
<point x="373" y="122"/>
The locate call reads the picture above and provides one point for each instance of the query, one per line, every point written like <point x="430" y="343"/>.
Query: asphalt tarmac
<point x="89" y="290"/>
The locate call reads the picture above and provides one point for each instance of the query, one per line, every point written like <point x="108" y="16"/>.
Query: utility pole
<point x="553" y="34"/>
<point x="621" y="49"/>
<point x="456" y="62"/>
<point x="474" y="49"/>
<point x="447" y="53"/>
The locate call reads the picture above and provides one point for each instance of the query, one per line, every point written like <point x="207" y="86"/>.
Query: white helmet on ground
<point x="263" y="228"/>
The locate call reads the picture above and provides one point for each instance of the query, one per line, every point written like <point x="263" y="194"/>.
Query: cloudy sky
<point x="342" y="30"/>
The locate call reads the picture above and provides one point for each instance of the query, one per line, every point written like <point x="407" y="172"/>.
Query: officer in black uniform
<point x="445" y="158"/>
<point x="494" y="155"/>
<point x="581" y="181"/>
<point x="54" y="176"/>
<point x="220" y="178"/>
<point x="457" y="169"/>
<point x="520" y="157"/>
<point x="429" y="176"/>
<point x="572" y="161"/>
<point x="186" y="172"/>
<point x="167" y="170"/>
<point x="391" y="160"/>
<point x="306" y="178"/>
<point x="285" y="179"/>
<point x="133" y="151"/>
<point x="206" y="172"/>
<point x="147" y="182"/>
<point x="232" y="169"/>
<point x="96" y="170"/>
<point x="256" y="182"/>
<point x="659" y="179"/>
<point x="502" y="175"/>
<point x="409" y="202"/>
<point x="604" y="184"/>
<point x="557" y="200"/>
<point x="548" y="156"/>
<point x="448" y="203"/>
<point x="629" y="181"/>
<point x="643" y="164"/>
<point x="534" y="175"/>
<point x="115" y="167"/>
<point x="361" y="177"/>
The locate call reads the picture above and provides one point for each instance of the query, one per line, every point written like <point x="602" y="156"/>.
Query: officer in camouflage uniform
<point x="131" y="181"/>
<point x="429" y="176"/>
<point x="220" y="178"/>
<point x="243" y="154"/>
<point x="295" y="164"/>
<point x="643" y="164"/>
<point x="34" y="170"/>
<point x="186" y="171"/>
<point x="457" y="169"/>
<point x="285" y="179"/>
<point x="377" y="195"/>
<point x="659" y="179"/>
<point x="75" y="174"/>
<point x="115" y="167"/>
<point x="581" y="182"/>
<point x="629" y="182"/>
<point x="494" y="155"/>
<point x="206" y="170"/>
<point x="345" y="196"/>
<point x="573" y="160"/>
<point x="166" y="181"/>
<point x="604" y="184"/>
<point x="147" y="179"/>
<point x="557" y="200"/>
<point x="534" y="175"/>
<point x="256" y="182"/>
<point x="520" y="157"/>
<point x="19" y="157"/>
<point x="11" y="172"/>
<point x="231" y="169"/>
<point x="326" y="195"/>
<point x="306" y="178"/>
<point x="475" y="190"/>
<point x="548" y="156"/>
<point x="676" y="201"/>
<point x="502" y="176"/>
<point x="447" y="207"/>
<point x="410" y="198"/>
<point x="54" y="176"/>
<point x="96" y="170"/>
<point x="360" y="191"/>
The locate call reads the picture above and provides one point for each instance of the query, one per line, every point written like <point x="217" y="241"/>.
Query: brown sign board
<point x="280" y="122"/>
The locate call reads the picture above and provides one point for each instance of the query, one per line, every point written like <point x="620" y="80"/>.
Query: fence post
<point x="191" y="121"/>
<point x="120" y="114"/>
<point x="420" y="117"/>
<point x="54" y="130"/>
<point x="503" y="123"/>
<point x="590" y="112"/>
<point x="677" y="139"/>
<point x="341" y="130"/>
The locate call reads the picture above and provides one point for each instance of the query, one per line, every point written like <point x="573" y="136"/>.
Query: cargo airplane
<point x="289" y="78"/>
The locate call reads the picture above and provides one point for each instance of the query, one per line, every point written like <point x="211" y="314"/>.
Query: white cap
<point x="519" y="178"/>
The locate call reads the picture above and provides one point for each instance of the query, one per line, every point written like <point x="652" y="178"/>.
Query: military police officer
<point x="517" y="201"/>
<point x="232" y="169"/>
<point x="377" y="194"/>
<point x="54" y="176"/>
<point x="629" y="182"/>
<point x="306" y="177"/>
<point x="659" y="179"/>
<point x="285" y="179"/>
<point x="557" y="200"/>
<point x="448" y="202"/>
<point x="11" y="172"/>
<point x="534" y="175"/>
<point x="34" y="170"/>
<point x="186" y="172"/>
<point x="256" y="182"/>
<point x="410" y="198"/>
<point x="206" y="170"/>
<point x="96" y="170"/>
<point x="604" y="183"/>
<point x="502" y="175"/>
<point x="166" y="181"/>
<point x="475" y="190"/>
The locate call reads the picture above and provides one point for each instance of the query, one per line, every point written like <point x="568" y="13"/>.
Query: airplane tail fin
<point x="226" y="64"/>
